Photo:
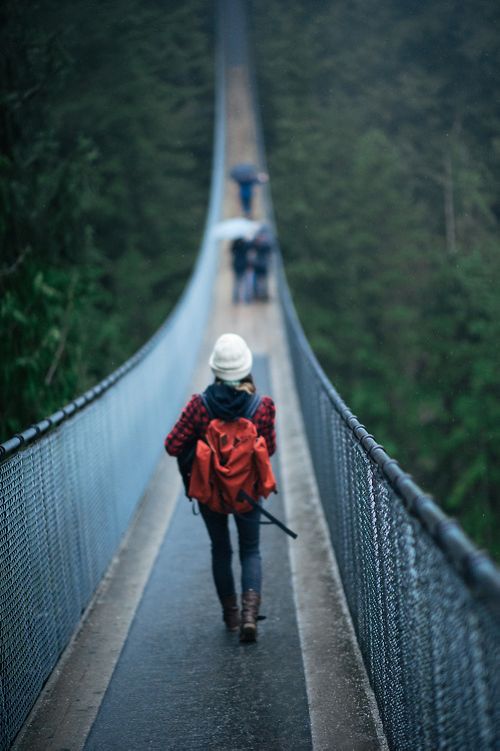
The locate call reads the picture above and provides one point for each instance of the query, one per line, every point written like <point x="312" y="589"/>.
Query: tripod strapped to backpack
<point x="230" y="467"/>
<point x="242" y="497"/>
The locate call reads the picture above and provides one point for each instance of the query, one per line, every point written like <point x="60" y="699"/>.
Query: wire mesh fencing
<point x="425" y="602"/>
<point x="70" y="485"/>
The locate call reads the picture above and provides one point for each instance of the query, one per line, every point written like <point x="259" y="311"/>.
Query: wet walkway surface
<point x="183" y="681"/>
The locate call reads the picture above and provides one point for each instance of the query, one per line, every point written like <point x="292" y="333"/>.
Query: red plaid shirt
<point x="193" y="424"/>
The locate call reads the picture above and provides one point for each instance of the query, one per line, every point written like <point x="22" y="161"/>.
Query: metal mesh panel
<point x="429" y="639"/>
<point x="67" y="498"/>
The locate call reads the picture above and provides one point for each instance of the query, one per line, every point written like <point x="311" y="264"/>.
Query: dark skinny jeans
<point x="248" y="537"/>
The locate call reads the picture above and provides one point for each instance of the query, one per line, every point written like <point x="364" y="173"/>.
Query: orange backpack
<point x="231" y="459"/>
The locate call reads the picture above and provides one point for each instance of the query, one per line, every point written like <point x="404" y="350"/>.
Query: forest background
<point x="382" y="131"/>
<point x="105" y="157"/>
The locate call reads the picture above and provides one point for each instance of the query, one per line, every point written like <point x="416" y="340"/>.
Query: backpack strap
<point x="205" y="404"/>
<point x="252" y="407"/>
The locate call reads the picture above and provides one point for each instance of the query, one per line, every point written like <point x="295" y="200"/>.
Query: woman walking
<point x="232" y="395"/>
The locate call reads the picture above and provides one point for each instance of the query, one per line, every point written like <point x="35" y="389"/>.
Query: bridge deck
<point x="152" y="666"/>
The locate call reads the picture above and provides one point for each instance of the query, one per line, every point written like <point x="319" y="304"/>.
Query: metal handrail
<point x="473" y="564"/>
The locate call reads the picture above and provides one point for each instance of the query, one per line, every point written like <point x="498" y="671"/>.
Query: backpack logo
<point x="231" y="459"/>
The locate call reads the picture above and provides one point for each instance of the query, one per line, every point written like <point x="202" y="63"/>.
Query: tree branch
<point x="8" y="270"/>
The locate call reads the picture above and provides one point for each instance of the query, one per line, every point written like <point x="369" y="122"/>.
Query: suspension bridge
<point x="382" y="626"/>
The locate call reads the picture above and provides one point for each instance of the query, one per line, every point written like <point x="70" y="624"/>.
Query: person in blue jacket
<point x="247" y="176"/>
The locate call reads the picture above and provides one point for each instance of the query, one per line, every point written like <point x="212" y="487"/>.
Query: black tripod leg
<point x="244" y="496"/>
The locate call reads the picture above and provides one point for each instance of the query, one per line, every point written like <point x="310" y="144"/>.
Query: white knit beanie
<point x="231" y="359"/>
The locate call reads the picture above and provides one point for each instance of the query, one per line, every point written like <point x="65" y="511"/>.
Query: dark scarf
<point x="226" y="402"/>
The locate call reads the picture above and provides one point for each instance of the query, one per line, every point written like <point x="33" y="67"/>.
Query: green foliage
<point x="105" y="152"/>
<point x="381" y="124"/>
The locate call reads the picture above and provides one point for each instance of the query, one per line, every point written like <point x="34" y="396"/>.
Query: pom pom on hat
<point x="231" y="358"/>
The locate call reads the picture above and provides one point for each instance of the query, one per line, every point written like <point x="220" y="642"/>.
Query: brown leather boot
<point x="250" y="602"/>
<point x="230" y="612"/>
